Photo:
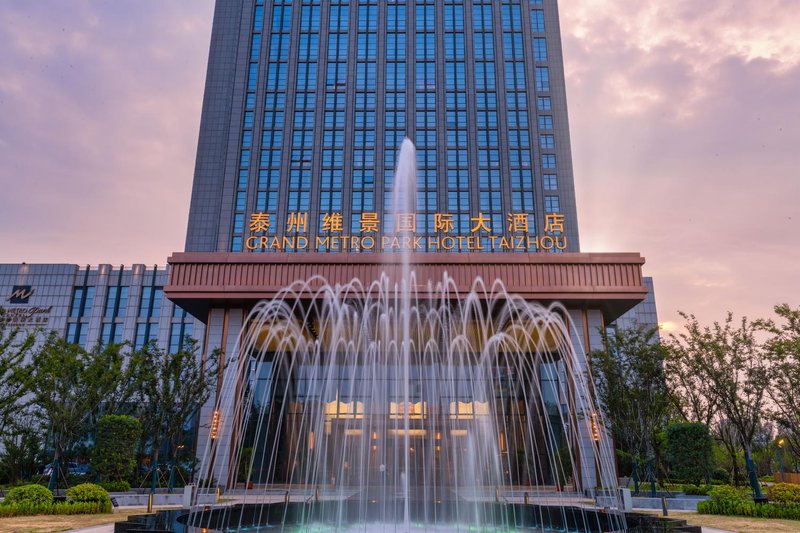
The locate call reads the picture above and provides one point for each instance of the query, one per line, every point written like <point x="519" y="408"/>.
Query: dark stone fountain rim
<point x="175" y="520"/>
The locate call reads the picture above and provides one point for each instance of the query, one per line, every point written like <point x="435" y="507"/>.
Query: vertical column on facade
<point x="441" y="120"/>
<point x="213" y="347"/>
<point x="533" y="113"/>
<point x="596" y="453"/>
<point x="288" y="154"/>
<point x="582" y="456"/>
<point x="315" y="211"/>
<point x="411" y="71"/>
<point x="216" y="439"/>
<point x="563" y="150"/>
<point x="379" y="146"/>
<point x="164" y="319"/>
<point x="606" y="454"/>
<point x="349" y="115"/>
<point x="502" y="122"/>
<point x="233" y="157"/>
<point x="397" y="106"/>
<point x="472" y="113"/>
<point x="253" y="115"/>
<point x="98" y="279"/>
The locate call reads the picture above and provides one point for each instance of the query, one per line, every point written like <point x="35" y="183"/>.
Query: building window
<point x="111" y="332"/>
<point x="116" y="302"/>
<point x="150" y="303"/>
<point x="76" y="333"/>
<point x="547" y="142"/>
<point x="142" y="335"/>
<point x="542" y="79"/>
<point x="537" y="21"/>
<point x="543" y="103"/>
<point x="81" y="301"/>
<point x="539" y="49"/>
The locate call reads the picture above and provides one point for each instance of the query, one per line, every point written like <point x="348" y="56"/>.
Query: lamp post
<point x="780" y="442"/>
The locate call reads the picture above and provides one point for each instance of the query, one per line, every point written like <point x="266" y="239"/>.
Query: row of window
<point x="115" y="307"/>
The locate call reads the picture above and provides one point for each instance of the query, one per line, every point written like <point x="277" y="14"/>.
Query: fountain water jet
<point x="368" y="403"/>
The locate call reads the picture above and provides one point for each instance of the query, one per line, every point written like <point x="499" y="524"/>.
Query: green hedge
<point x="750" y="509"/>
<point x="694" y="490"/>
<point x="9" y="510"/>
<point x="116" y="486"/>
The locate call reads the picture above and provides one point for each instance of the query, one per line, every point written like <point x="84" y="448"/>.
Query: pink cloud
<point x="684" y="117"/>
<point x="685" y="131"/>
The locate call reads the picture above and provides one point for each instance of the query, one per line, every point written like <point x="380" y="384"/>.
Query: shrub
<point x="689" y="451"/>
<point x="30" y="494"/>
<point x="720" y="475"/>
<point x="61" y="508"/>
<point x="726" y="495"/>
<point x="750" y="509"/>
<point x="89" y="492"/>
<point x="695" y="490"/>
<point x="116" y="486"/>
<point x="784" y="493"/>
<point x="114" y="452"/>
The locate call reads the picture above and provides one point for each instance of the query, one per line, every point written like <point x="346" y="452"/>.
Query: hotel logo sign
<point x="518" y="233"/>
<point x="20" y="294"/>
<point x="27" y="316"/>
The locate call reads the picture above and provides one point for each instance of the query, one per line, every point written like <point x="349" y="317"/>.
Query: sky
<point x="684" y="117"/>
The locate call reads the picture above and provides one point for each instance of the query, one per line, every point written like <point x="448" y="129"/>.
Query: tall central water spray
<point x="405" y="196"/>
<point x="401" y="405"/>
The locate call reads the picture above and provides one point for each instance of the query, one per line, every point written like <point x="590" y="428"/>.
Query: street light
<point x="781" y="441"/>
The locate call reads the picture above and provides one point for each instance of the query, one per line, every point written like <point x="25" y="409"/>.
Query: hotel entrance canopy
<point x="610" y="282"/>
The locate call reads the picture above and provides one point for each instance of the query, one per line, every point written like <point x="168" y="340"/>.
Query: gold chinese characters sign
<point x="519" y="234"/>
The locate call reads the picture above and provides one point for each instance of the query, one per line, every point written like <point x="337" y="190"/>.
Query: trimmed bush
<point x="116" y="486"/>
<point x="726" y="495"/>
<point x="689" y="451"/>
<point x="750" y="509"/>
<point x="90" y="493"/>
<point x="30" y="495"/>
<point x="10" y="510"/>
<point x="114" y="451"/>
<point x="784" y="493"/>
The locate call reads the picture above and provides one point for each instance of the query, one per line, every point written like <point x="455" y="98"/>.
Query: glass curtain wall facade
<point x="301" y="127"/>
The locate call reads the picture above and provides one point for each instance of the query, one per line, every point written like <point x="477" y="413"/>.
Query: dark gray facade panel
<point x="215" y="127"/>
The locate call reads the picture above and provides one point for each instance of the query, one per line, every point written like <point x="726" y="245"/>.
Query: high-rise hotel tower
<point x="306" y="105"/>
<point x="307" y="102"/>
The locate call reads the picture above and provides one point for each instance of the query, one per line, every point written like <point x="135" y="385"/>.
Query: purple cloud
<point x="684" y="116"/>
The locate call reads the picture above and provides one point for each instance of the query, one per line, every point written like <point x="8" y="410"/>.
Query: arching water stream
<point x="399" y="404"/>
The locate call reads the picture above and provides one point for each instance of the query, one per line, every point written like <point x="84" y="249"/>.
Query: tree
<point x="21" y="450"/>
<point x="783" y="351"/>
<point x="174" y="387"/>
<point x="632" y="391"/>
<point x="67" y="386"/>
<point x="689" y="451"/>
<point x="114" y="452"/>
<point x="15" y="347"/>
<point x="730" y="361"/>
<point x="691" y="394"/>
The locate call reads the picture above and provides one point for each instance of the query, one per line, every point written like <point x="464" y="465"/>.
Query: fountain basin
<point x="354" y="516"/>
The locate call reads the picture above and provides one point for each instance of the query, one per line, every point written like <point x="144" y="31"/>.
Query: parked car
<point x="70" y="467"/>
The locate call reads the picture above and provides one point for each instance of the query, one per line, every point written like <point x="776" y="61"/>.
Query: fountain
<point x="399" y="405"/>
